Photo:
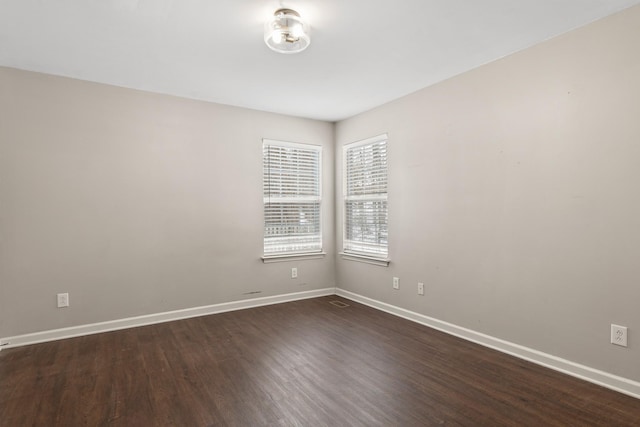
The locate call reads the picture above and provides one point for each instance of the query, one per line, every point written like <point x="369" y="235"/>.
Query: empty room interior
<point x="319" y="213"/>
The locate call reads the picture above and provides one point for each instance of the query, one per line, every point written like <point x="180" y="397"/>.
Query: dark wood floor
<point x="304" y="363"/>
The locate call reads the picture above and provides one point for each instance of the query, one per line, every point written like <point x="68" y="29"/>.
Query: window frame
<point x="381" y="259"/>
<point x="275" y="256"/>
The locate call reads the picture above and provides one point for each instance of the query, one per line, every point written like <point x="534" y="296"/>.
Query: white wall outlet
<point x="294" y="273"/>
<point x="619" y="335"/>
<point x="63" y="300"/>
<point x="420" y="288"/>
<point x="396" y="283"/>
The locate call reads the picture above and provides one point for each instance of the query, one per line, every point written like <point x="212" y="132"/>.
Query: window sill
<point x="382" y="262"/>
<point x="267" y="259"/>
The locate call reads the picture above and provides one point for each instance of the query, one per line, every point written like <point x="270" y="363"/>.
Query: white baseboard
<point x="131" y="322"/>
<point x="605" y="379"/>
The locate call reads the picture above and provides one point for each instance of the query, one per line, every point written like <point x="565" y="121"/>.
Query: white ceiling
<point x="363" y="53"/>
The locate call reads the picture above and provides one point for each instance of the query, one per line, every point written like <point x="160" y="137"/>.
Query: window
<point x="365" y="198"/>
<point x="291" y="186"/>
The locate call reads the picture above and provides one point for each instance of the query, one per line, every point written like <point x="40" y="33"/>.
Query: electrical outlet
<point x="294" y="273"/>
<point x="420" y="288"/>
<point x="63" y="300"/>
<point x="619" y="335"/>
<point x="396" y="283"/>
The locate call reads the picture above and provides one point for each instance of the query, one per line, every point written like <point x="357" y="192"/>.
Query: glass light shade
<point x="285" y="32"/>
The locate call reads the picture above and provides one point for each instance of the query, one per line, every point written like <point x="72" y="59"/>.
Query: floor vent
<point x="339" y="304"/>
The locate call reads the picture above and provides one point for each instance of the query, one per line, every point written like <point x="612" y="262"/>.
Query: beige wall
<point x="136" y="203"/>
<point x="514" y="196"/>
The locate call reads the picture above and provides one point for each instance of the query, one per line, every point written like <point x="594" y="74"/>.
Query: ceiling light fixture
<point x="285" y="32"/>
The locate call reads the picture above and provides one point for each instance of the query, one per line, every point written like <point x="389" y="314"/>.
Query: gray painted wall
<point x="136" y="203"/>
<point x="514" y="196"/>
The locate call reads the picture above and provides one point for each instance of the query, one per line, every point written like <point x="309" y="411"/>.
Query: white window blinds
<point x="291" y="186"/>
<point x="365" y="194"/>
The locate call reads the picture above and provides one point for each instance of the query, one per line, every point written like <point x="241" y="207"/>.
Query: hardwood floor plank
<point x="305" y="363"/>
